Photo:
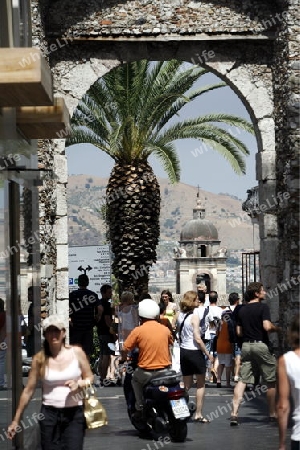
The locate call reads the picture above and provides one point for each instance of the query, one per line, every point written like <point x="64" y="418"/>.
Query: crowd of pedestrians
<point x="197" y="337"/>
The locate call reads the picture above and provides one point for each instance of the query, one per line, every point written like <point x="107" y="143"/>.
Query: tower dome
<point x="199" y="228"/>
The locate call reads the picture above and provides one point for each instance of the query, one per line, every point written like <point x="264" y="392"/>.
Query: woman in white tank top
<point x="64" y="372"/>
<point x="289" y="385"/>
<point x="192" y="350"/>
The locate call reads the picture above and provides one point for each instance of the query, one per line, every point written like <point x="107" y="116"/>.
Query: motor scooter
<point x="166" y="407"/>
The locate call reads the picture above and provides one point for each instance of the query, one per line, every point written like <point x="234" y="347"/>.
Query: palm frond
<point x="127" y="114"/>
<point x="181" y="102"/>
<point x="166" y="154"/>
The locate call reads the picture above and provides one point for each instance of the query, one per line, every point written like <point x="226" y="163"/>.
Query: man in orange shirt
<point x="153" y="340"/>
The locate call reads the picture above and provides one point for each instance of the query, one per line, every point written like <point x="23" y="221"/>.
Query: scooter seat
<point x="166" y="377"/>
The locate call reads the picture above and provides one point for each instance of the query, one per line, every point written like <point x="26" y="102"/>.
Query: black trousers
<point x="84" y="338"/>
<point x="62" y="428"/>
<point x="295" y="445"/>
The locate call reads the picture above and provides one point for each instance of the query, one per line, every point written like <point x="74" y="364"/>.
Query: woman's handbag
<point x="94" y="412"/>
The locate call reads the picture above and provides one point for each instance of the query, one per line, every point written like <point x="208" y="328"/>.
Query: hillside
<point x="86" y="196"/>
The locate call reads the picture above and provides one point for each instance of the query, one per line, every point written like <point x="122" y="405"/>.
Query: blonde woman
<point x="64" y="371"/>
<point x="192" y="350"/>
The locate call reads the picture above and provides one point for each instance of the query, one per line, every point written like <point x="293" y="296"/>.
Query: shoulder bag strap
<point x="182" y="324"/>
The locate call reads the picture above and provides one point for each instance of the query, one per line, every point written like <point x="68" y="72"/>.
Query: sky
<point x="200" y="166"/>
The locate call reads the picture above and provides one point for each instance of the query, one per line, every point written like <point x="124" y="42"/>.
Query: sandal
<point x="234" y="421"/>
<point x="214" y="375"/>
<point x="272" y="419"/>
<point x="201" y="420"/>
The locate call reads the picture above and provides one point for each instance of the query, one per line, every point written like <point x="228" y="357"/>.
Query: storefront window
<point x="20" y="286"/>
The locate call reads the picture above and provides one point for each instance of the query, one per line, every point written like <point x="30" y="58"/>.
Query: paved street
<point x="253" y="433"/>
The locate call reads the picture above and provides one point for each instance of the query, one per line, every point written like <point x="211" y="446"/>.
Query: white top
<point x="214" y="314"/>
<point x="128" y="320"/>
<point x="55" y="393"/>
<point x="200" y="312"/>
<point x="292" y="363"/>
<point x="187" y="335"/>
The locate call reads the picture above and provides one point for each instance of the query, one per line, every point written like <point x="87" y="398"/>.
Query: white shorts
<point x="225" y="358"/>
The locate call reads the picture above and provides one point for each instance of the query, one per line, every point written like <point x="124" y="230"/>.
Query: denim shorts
<point x="211" y="345"/>
<point x="237" y="351"/>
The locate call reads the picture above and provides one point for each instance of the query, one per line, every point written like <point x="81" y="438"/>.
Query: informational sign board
<point x="95" y="256"/>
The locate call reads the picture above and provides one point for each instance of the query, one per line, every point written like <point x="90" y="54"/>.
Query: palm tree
<point x="127" y="114"/>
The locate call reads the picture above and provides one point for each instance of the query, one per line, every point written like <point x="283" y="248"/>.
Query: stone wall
<point x="287" y="114"/>
<point x="250" y="44"/>
<point x="157" y="17"/>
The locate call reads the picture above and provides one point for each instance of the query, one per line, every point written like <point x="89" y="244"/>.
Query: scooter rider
<point x="152" y="340"/>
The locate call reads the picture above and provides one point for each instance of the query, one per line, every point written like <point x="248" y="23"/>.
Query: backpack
<point x="229" y="318"/>
<point x="203" y="324"/>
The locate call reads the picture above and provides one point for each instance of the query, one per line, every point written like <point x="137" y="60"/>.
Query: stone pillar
<point x="286" y="82"/>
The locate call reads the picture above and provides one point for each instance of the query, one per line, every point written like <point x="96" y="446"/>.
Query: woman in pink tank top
<point x="64" y="372"/>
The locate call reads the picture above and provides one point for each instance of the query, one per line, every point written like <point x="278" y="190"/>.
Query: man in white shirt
<point x="214" y="317"/>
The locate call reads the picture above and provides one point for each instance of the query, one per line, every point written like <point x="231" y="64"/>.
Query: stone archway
<point x="240" y="48"/>
<point x="258" y="99"/>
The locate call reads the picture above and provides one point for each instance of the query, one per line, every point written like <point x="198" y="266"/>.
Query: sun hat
<point x="54" y="321"/>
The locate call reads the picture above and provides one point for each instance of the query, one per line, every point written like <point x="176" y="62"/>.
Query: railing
<point x="250" y="269"/>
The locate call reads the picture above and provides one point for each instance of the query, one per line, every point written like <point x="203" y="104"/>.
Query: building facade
<point x="28" y="112"/>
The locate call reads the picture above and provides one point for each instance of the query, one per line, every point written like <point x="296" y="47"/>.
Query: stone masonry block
<point x="268" y="226"/>
<point x="61" y="230"/>
<point x="62" y="309"/>
<point x="62" y="285"/>
<point x="241" y="79"/>
<point x="221" y="66"/>
<point x="71" y="103"/>
<point x="267" y="130"/>
<point x="61" y="200"/>
<point x="268" y="251"/>
<point x="80" y="80"/>
<point x="61" y="168"/>
<point x="267" y="196"/>
<point x="102" y="66"/>
<point x="269" y="278"/>
<point x="62" y="257"/>
<point x="260" y="102"/>
<point x="265" y="165"/>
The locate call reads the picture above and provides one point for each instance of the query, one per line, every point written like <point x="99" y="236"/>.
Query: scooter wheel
<point x="178" y="430"/>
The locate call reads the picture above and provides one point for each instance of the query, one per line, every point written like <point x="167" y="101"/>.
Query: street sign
<point x="94" y="260"/>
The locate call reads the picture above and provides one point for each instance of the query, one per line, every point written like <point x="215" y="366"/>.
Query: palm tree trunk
<point x="133" y="209"/>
